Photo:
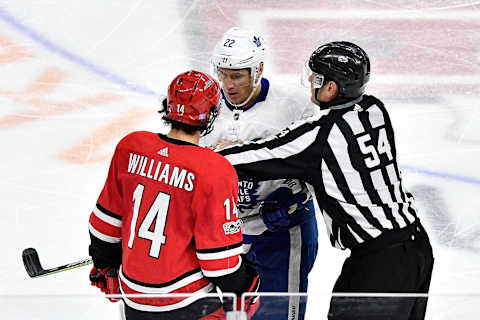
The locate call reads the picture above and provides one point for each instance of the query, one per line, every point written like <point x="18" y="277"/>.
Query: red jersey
<point x="172" y="205"/>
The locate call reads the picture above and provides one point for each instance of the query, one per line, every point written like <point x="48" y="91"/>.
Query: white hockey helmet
<point x="239" y="49"/>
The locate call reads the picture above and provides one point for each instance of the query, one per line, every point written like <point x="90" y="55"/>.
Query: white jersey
<point x="274" y="109"/>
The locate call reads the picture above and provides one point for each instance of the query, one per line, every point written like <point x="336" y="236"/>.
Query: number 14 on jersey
<point x="230" y="208"/>
<point x="156" y="214"/>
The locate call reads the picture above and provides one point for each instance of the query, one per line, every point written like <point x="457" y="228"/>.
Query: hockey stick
<point x="248" y="218"/>
<point x="34" y="267"/>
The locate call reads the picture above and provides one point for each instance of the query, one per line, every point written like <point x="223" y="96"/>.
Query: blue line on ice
<point x="49" y="45"/>
<point x="443" y="175"/>
<point x="35" y="36"/>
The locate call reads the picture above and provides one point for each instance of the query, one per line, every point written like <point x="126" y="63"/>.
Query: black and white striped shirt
<point x="348" y="156"/>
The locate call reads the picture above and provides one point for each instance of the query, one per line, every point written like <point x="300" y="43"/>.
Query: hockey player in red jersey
<point x="166" y="220"/>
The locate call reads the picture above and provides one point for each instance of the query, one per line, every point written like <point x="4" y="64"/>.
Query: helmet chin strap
<point x="255" y="86"/>
<point x="240" y="105"/>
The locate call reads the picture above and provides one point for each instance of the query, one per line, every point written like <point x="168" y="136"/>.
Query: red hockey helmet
<point x="193" y="99"/>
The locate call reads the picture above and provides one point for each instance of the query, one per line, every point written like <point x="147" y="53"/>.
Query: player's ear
<point x="332" y="89"/>
<point x="260" y="69"/>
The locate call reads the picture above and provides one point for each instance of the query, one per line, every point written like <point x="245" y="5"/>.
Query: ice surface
<point x="77" y="76"/>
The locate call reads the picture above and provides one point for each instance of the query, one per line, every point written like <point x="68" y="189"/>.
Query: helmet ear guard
<point x="164" y="104"/>
<point x="213" y="114"/>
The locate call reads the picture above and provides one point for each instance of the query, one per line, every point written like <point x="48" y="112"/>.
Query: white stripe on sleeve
<point x="106" y="218"/>
<point x="222" y="272"/>
<point x="103" y="236"/>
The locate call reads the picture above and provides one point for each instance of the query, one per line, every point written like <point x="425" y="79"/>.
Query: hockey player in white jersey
<point x="279" y="230"/>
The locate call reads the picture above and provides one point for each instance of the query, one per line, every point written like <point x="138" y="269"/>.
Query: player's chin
<point x="234" y="97"/>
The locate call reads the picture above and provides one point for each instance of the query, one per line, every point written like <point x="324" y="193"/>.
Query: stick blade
<point x="31" y="261"/>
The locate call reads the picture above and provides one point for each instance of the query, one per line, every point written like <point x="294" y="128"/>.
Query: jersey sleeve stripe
<point x="222" y="272"/>
<point x="104" y="227"/>
<point x="114" y="221"/>
<point x="220" y="249"/>
<point x="108" y="212"/>
<point x="103" y="236"/>
<point x="226" y="263"/>
<point x="220" y="255"/>
<point x="157" y="289"/>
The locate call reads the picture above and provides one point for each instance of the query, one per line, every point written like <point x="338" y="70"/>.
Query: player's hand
<point x="280" y="204"/>
<point x="275" y="209"/>
<point x="106" y="280"/>
<point x="274" y="216"/>
<point x="225" y="143"/>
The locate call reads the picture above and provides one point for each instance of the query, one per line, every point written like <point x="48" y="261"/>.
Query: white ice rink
<point x="78" y="75"/>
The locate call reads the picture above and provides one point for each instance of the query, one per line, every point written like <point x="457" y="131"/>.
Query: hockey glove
<point x="106" y="280"/>
<point x="279" y="205"/>
<point x="274" y="210"/>
<point x="274" y="216"/>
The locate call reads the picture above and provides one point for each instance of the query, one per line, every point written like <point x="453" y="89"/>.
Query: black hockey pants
<point x="400" y="262"/>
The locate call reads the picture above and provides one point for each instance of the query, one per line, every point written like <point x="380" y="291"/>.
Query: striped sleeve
<point x="289" y="154"/>
<point x="105" y="225"/>
<point x="217" y="229"/>
<point x="219" y="262"/>
<point x="105" y="221"/>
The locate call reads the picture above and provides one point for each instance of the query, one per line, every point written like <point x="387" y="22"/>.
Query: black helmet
<point x="346" y="64"/>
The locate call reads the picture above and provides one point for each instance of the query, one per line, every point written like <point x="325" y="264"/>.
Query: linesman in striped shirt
<point x="347" y="154"/>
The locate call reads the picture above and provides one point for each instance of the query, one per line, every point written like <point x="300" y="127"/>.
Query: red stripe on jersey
<point x="104" y="227"/>
<point x="220" y="264"/>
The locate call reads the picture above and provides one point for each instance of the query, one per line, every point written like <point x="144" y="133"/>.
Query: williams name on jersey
<point x="175" y="176"/>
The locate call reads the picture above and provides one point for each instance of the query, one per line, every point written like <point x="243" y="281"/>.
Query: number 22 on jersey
<point x="157" y="213"/>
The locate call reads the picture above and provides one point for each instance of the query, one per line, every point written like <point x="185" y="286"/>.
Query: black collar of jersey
<point x="261" y="97"/>
<point x="175" y="141"/>
<point x="340" y="104"/>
